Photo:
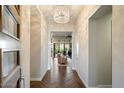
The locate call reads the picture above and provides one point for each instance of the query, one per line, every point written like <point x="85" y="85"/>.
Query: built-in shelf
<point x="10" y="70"/>
<point x="10" y="35"/>
<point x="12" y="77"/>
<point x="10" y="21"/>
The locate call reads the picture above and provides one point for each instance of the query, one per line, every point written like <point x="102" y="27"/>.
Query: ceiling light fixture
<point x="61" y="14"/>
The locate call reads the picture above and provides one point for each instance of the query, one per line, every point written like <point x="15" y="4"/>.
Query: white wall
<point x="74" y="50"/>
<point x="25" y="44"/>
<point x="118" y="47"/>
<point x="81" y="62"/>
<point x="100" y="63"/>
<point x="44" y="45"/>
<point x="39" y="41"/>
<point x="35" y="44"/>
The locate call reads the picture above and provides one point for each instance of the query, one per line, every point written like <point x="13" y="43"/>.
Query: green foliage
<point x="56" y="50"/>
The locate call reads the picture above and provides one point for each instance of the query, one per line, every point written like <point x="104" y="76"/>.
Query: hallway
<point x="59" y="29"/>
<point x="59" y="77"/>
<point x="90" y="36"/>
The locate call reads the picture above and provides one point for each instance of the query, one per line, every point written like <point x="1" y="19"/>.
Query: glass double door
<point x="61" y="48"/>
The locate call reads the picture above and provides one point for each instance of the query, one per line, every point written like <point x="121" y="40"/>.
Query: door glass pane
<point x="9" y="62"/>
<point x="61" y="47"/>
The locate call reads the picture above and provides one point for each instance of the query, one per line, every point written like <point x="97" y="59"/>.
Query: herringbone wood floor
<point x="59" y="77"/>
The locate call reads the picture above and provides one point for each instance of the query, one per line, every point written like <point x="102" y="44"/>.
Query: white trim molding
<point x="35" y="79"/>
<point x="104" y="86"/>
<point x="74" y="68"/>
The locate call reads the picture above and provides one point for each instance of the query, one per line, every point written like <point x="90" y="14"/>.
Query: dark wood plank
<point x="14" y="12"/>
<point x="0" y="68"/>
<point x="0" y="18"/>
<point x="59" y="77"/>
<point x="17" y="8"/>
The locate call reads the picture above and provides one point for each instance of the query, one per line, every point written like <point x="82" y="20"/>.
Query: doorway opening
<point x="61" y="49"/>
<point x="100" y="48"/>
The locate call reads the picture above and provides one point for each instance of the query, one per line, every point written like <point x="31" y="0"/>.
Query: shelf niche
<point x="10" y="68"/>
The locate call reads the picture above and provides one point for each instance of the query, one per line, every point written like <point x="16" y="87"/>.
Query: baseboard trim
<point x="73" y="68"/>
<point x="85" y="84"/>
<point x="35" y="79"/>
<point x="44" y="74"/>
<point x="104" y="86"/>
<point x="38" y="79"/>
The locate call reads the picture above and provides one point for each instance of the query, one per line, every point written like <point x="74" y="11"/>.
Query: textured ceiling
<point x="48" y="12"/>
